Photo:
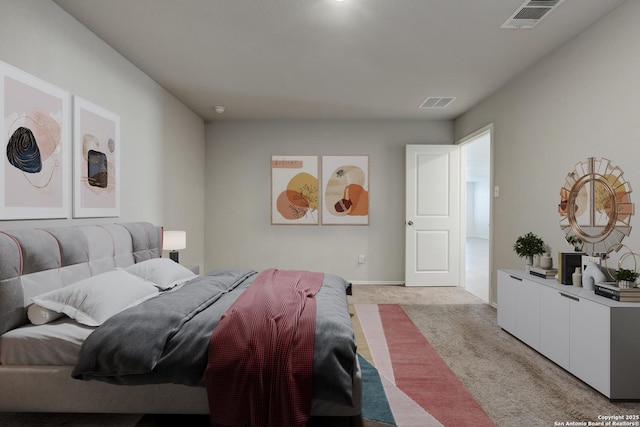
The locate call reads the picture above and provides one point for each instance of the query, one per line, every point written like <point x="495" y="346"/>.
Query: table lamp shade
<point x="174" y="241"/>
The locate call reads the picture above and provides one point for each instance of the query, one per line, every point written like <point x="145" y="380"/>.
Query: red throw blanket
<point x="261" y="353"/>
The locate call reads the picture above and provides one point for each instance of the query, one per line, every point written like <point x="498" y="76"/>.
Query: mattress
<point x="53" y="344"/>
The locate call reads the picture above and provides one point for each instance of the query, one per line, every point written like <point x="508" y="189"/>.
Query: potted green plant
<point x="625" y="278"/>
<point x="529" y="245"/>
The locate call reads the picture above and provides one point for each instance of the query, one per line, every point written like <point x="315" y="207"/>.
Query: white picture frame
<point x="345" y="190"/>
<point x="295" y="195"/>
<point x="96" y="160"/>
<point x="36" y="147"/>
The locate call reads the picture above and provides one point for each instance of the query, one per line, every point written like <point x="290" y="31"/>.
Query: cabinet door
<point x="507" y="301"/>
<point x="528" y="313"/>
<point x="590" y="344"/>
<point x="555" y="325"/>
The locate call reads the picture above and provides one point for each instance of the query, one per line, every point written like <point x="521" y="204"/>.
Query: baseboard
<point x="377" y="282"/>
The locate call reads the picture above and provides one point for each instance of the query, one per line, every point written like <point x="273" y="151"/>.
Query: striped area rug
<point x="420" y="388"/>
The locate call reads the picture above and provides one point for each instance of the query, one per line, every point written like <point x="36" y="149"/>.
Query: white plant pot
<point x="625" y="284"/>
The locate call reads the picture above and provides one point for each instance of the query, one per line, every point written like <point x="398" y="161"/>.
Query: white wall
<point x="238" y="226"/>
<point x="581" y="101"/>
<point x="163" y="141"/>
<point x="478" y="209"/>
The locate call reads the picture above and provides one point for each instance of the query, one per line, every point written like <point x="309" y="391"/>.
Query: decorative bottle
<point x="576" y="277"/>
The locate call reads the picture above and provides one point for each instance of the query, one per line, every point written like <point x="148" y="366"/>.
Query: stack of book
<point x="545" y="273"/>
<point x="610" y="290"/>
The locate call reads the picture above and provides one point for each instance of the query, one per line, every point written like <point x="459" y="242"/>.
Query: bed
<point x="42" y="351"/>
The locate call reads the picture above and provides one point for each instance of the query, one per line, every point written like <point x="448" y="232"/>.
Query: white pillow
<point x="39" y="315"/>
<point x="93" y="300"/>
<point x="164" y="272"/>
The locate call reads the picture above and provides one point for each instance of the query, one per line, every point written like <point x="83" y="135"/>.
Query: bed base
<point x="51" y="389"/>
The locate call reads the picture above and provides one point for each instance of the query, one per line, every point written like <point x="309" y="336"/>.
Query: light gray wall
<point x="238" y="226"/>
<point x="163" y="141"/>
<point x="478" y="208"/>
<point x="581" y="101"/>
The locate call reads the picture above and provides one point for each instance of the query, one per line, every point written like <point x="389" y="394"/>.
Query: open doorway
<point x="476" y="163"/>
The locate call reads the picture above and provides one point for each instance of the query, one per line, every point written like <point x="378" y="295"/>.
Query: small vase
<point x="546" y="261"/>
<point x="576" y="277"/>
<point x="529" y="262"/>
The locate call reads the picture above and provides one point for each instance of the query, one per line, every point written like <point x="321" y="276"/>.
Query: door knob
<point x="410" y="223"/>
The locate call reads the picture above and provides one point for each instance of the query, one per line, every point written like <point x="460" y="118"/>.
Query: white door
<point x="432" y="226"/>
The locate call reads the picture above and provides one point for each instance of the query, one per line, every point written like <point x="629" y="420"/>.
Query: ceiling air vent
<point x="530" y="13"/>
<point x="437" y="102"/>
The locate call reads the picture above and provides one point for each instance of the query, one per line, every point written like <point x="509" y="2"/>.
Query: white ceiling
<point x="371" y="59"/>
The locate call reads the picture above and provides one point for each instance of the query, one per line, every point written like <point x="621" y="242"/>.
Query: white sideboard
<point x="594" y="338"/>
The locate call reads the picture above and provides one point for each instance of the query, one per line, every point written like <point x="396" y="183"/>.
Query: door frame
<point x="463" y="200"/>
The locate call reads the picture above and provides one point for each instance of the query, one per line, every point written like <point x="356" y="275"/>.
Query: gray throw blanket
<point x="165" y="339"/>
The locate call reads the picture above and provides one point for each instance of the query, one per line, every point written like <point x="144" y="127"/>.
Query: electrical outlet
<point x="362" y="259"/>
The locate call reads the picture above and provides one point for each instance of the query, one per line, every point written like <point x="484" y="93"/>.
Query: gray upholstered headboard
<point x="37" y="260"/>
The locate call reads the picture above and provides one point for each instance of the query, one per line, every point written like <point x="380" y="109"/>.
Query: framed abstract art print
<point x="36" y="147"/>
<point x="97" y="147"/>
<point x="345" y="190"/>
<point x="294" y="190"/>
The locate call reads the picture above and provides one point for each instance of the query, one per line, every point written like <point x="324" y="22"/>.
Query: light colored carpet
<point x="514" y="384"/>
